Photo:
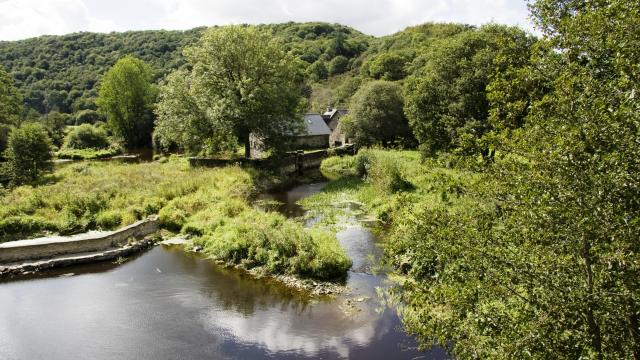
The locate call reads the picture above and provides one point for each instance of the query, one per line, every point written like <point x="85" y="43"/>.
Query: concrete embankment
<point x="24" y="256"/>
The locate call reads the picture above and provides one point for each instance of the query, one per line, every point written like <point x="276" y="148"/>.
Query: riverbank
<point x="242" y="306"/>
<point x="213" y="206"/>
<point x="417" y="207"/>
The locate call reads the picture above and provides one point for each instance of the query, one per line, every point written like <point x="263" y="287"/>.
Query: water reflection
<point x="168" y="304"/>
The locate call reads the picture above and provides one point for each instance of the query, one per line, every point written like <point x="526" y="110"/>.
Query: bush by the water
<point x="383" y="171"/>
<point x="86" y="136"/>
<point x="86" y="142"/>
<point x="88" y="154"/>
<point x="379" y="167"/>
<point x="276" y="245"/>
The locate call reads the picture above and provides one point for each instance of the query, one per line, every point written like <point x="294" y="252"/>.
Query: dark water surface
<point x="169" y="304"/>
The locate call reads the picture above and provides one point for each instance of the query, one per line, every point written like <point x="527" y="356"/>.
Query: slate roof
<point x="329" y="114"/>
<point x="315" y="125"/>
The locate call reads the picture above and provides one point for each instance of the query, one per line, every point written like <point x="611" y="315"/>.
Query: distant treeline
<point x="61" y="73"/>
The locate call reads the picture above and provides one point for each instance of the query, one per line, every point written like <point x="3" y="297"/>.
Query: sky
<point x="20" y="19"/>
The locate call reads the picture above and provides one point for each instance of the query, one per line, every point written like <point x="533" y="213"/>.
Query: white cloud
<point x="26" y="18"/>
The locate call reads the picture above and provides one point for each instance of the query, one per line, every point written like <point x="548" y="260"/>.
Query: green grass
<point x="392" y="183"/>
<point x="213" y="205"/>
<point x="336" y="167"/>
<point x="87" y="154"/>
<point x="273" y="243"/>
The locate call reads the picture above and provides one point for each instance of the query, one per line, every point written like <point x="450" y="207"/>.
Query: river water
<point x="170" y="304"/>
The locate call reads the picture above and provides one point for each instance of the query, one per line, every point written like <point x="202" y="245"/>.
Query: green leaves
<point x="446" y="97"/>
<point x="376" y="115"/>
<point x="241" y="82"/>
<point x="10" y="100"/>
<point x="28" y="153"/>
<point x="126" y="98"/>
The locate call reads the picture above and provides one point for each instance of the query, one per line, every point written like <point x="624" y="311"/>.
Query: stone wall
<point x="312" y="142"/>
<point x="47" y="247"/>
<point x="288" y="164"/>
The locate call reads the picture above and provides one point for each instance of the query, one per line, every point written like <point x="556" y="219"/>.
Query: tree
<point x="388" y="66"/>
<point x="551" y="268"/>
<point x="55" y="123"/>
<point x="580" y="205"/>
<point x="241" y="82"/>
<point x="376" y="115"/>
<point x="28" y="153"/>
<point x="10" y="100"/>
<point x="318" y="71"/>
<point x="338" y="65"/>
<point x="446" y="99"/>
<point x="126" y="97"/>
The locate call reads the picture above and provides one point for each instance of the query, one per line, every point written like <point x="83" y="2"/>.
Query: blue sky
<point x="21" y="19"/>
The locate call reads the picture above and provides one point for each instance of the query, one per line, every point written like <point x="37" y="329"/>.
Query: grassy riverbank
<point x="212" y="205"/>
<point x="429" y="215"/>
<point x="395" y="184"/>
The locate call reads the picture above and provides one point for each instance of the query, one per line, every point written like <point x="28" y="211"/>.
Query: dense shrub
<point x="388" y="66"/>
<point x="172" y="218"/>
<point x="109" y="219"/>
<point x="383" y="171"/>
<point x="318" y="71"/>
<point x="87" y="117"/>
<point x="28" y="153"/>
<point x="276" y="245"/>
<point x="338" y="65"/>
<point x="86" y="136"/>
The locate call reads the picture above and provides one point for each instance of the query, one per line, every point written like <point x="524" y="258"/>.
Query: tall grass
<point x="210" y="204"/>
<point x="275" y="244"/>
<point x="393" y="183"/>
<point x="97" y="195"/>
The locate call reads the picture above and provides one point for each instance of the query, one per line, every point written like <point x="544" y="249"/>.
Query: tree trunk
<point x="247" y="148"/>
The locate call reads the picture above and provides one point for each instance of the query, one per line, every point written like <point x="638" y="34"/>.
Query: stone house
<point x="332" y="119"/>
<point x="314" y="135"/>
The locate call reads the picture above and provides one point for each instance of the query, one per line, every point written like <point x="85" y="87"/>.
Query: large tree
<point x="551" y="269"/>
<point x="10" y="100"/>
<point x="376" y="115"/>
<point x="240" y="82"/>
<point x="126" y="97"/>
<point x="446" y="97"/>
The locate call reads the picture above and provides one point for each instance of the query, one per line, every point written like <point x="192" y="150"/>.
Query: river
<point x="170" y="304"/>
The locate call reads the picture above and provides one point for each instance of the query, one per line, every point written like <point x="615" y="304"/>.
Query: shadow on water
<point x="168" y="304"/>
